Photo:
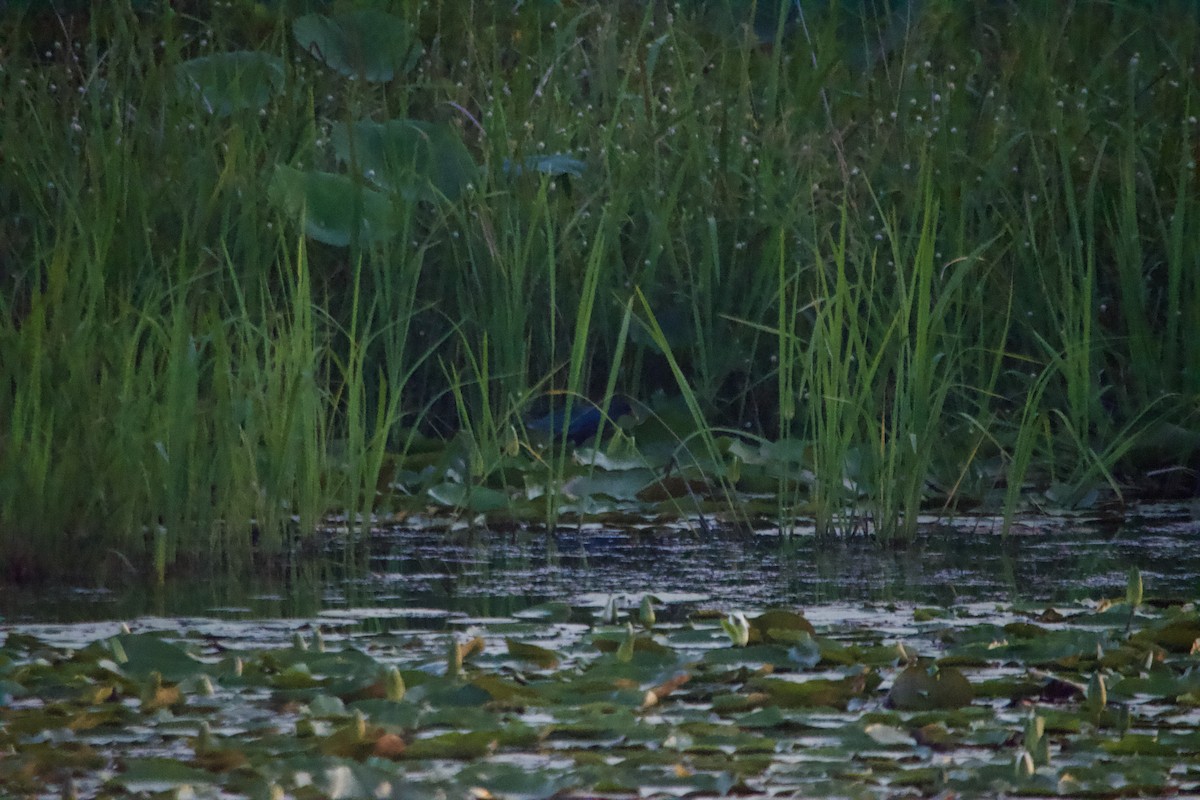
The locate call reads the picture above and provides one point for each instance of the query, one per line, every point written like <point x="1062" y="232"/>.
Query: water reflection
<point x="417" y="572"/>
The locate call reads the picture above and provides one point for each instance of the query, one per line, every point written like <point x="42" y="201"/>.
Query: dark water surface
<point x="417" y="576"/>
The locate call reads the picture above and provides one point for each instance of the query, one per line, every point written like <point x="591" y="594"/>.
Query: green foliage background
<point x="946" y="247"/>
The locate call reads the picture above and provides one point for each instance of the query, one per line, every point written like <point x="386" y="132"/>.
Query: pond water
<point x="418" y="574"/>
<point x="593" y="662"/>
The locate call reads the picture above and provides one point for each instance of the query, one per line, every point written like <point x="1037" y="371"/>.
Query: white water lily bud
<point x="1023" y="765"/>
<point x="512" y="443"/>
<point x="1134" y="588"/>
<point x="1124" y="719"/>
<point x="204" y="738"/>
<point x="625" y="651"/>
<point x="646" y="614"/>
<point x="360" y="726"/>
<point x="1035" y="729"/>
<point x="1097" y="693"/>
<point x="394" y="685"/>
<point x="1036" y="743"/>
<point x="609" y="615"/>
<point x="737" y="628"/>
<point x="733" y="472"/>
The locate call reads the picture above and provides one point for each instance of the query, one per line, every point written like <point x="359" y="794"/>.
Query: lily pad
<point x="540" y="656"/>
<point x="471" y="498"/>
<point x="923" y="688"/>
<point x="142" y="655"/>
<point x="778" y="625"/>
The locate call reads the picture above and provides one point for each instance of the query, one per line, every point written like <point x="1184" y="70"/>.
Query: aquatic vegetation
<point x="1052" y="700"/>
<point x="581" y="423"/>
<point x="271" y="262"/>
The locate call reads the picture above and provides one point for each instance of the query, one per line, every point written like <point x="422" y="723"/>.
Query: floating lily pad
<point x="923" y="688"/>
<point x="472" y="498"/>
<point x="143" y="654"/>
<point x="540" y="656"/>
<point x="162" y="775"/>
<point x="817" y="692"/>
<point x="777" y="624"/>
<point x="571" y="709"/>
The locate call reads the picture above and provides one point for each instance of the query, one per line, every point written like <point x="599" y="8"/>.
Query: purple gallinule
<point x="584" y="420"/>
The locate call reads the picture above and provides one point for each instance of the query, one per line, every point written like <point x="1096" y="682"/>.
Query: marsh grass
<point x="944" y="250"/>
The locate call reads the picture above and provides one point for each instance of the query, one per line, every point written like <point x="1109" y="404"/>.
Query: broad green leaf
<point x="769" y="717"/>
<point x="449" y="694"/>
<point x="546" y="659"/>
<point x="923" y="688"/>
<point x="753" y="655"/>
<point x="603" y="723"/>
<point x="1178" y="635"/>
<point x="1159" y="684"/>
<point x="1056" y="647"/>
<point x="229" y="82"/>
<point x="368" y="44"/>
<point x="607" y="643"/>
<point x="516" y="780"/>
<point x="472" y="498"/>
<point x="777" y="624"/>
<point x="387" y="712"/>
<point x="888" y="735"/>
<point x="333" y="208"/>
<point x="617" y="484"/>
<point x="327" y="706"/>
<point x="297" y="676"/>
<point x="458" y="746"/>
<point x="815" y="692"/>
<point x="804" y="650"/>
<point x="505" y="692"/>
<point x="1139" y="744"/>
<point x="418" y="160"/>
<point x="146" y="654"/>
<point x="153" y="775"/>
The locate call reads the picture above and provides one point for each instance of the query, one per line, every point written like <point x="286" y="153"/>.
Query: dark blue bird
<point x="584" y="420"/>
